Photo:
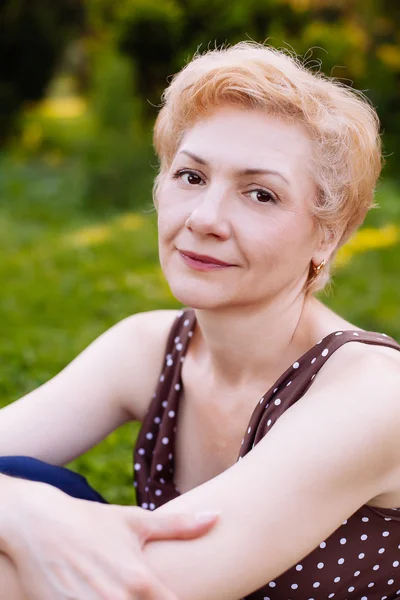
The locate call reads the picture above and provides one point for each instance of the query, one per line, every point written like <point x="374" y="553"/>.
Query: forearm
<point x="11" y="489"/>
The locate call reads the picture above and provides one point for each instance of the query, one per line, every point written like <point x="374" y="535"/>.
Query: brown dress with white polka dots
<point x="360" y="560"/>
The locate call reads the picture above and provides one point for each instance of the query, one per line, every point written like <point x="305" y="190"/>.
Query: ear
<point x="326" y="245"/>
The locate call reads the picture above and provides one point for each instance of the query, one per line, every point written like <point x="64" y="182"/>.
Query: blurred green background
<point x="80" y="82"/>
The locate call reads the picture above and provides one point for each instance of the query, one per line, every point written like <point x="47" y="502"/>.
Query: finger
<point x="183" y="526"/>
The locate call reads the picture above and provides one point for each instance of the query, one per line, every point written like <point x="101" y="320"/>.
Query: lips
<point x="204" y="258"/>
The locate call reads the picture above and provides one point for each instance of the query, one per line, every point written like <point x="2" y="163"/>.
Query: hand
<point x="65" y="548"/>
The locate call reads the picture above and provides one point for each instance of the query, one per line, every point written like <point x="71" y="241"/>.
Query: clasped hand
<point x="64" y="548"/>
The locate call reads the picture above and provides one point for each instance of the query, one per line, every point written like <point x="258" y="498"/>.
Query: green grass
<point x="68" y="273"/>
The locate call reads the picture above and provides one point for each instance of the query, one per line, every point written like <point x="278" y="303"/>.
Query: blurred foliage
<point x="33" y="37"/>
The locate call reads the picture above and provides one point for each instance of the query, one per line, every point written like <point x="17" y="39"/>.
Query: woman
<point x="266" y="170"/>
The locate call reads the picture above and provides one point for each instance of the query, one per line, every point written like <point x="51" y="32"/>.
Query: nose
<point x="209" y="216"/>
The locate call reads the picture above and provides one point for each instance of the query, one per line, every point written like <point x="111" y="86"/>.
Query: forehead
<point x="242" y="137"/>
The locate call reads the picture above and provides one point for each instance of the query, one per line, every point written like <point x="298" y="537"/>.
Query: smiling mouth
<point x="202" y="262"/>
<point x="205" y="259"/>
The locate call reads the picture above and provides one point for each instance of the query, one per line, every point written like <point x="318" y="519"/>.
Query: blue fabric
<point x="33" y="469"/>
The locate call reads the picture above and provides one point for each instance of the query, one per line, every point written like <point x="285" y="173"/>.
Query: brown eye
<point x="262" y="196"/>
<point x="189" y="177"/>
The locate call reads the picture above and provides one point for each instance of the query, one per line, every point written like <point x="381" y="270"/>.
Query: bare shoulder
<point x="356" y="361"/>
<point x="142" y="340"/>
<point x="359" y="380"/>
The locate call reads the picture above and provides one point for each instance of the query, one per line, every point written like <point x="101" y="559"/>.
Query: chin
<point x="201" y="295"/>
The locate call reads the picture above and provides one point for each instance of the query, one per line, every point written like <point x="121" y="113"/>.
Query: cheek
<point x="280" y="238"/>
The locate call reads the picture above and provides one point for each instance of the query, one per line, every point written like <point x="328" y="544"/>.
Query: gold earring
<point x="319" y="267"/>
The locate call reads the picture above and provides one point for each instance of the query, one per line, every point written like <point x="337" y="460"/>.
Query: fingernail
<point x="207" y="516"/>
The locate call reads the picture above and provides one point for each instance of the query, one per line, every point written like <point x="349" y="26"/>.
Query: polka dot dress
<point x="360" y="560"/>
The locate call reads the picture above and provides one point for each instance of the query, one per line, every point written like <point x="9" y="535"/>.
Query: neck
<point x="238" y="346"/>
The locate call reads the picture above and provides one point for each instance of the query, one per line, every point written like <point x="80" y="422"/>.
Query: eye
<point x="188" y="176"/>
<point x="262" y="196"/>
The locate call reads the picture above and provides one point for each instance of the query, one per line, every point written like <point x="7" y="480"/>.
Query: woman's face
<point x="239" y="191"/>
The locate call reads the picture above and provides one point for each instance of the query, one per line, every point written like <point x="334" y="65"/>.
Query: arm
<point x="110" y="383"/>
<point x="329" y="454"/>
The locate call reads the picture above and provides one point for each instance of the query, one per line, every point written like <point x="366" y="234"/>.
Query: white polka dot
<point x="146" y="489"/>
<point x="343" y="541"/>
<point x="289" y="383"/>
<point x="165" y="441"/>
<point x="331" y="595"/>
<point x="356" y="574"/>
<point x="159" y="467"/>
<point x="171" y="413"/>
<point x="145" y="505"/>
<point x="149" y="435"/>
<point x="396" y="563"/>
<point x="324" y="352"/>
<point x="170" y="456"/>
<point x="370" y="585"/>
<point x="186" y="322"/>
<point x="355" y="333"/>
<point x="299" y="567"/>
<point x="388" y="519"/>
<point x="340" y="561"/>
<point x="177" y="339"/>
<point x="190" y="334"/>
<point x="275" y="390"/>
<point x="364" y="598"/>
<point x="135" y="484"/>
<point x="179" y="346"/>
<point x="336" y="580"/>
<point x="152" y="506"/>
<point x="339" y="333"/>
<point x="322" y="545"/>
<point x="141" y="451"/>
<point x="177" y="387"/>
<point x="316" y="584"/>
<point x="272" y="584"/>
<point x="365" y="519"/>
<point x="157" y="420"/>
<point x="296" y="365"/>
<point x="294" y="586"/>
<point x="344" y="522"/>
<point x="313" y="360"/>
<point x="385" y="533"/>
<point x="390" y="581"/>
<point x="269" y="422"/>
<point x="137" y="467"/>
<point x="381" y="550"/>
<point x="242" y="442"/>
<point x="364" y="537"/>
<point x="320" y="565"/>
<point x="361" y="555"/>
<point x="313" y="376"/>
<point x="162" y="480"/>
<point x="158" y="492"/>
<point x="262" y="400"/>
<point x="277" y="401"/>
<point x="375" y="567"/>
<point x="164" y="404"/>
<point x="351" y="589"/>
<point x="162" y="378"/>
<point x="249" y="430"/>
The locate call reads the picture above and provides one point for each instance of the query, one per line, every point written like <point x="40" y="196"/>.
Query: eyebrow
<point x="248" y="171"/>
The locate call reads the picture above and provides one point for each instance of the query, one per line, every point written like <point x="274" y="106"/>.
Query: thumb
<point x="179" y="526"/>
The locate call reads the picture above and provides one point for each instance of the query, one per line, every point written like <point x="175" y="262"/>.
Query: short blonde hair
<point x="342" y="125"/>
